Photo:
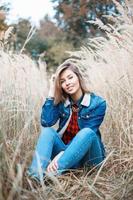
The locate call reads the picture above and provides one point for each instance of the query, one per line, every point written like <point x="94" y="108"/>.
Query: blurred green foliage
<point x="73" y="16"/>
<point x="47" y="40"/>
<point x="51" y="40"/>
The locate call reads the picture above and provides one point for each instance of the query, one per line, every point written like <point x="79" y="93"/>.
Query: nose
<point x="67" y="82"/>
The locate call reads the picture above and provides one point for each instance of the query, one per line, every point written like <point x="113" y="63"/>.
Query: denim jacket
<point x="90" y="115"/>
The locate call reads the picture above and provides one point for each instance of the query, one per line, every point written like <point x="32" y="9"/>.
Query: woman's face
<point x="69" y="82"/>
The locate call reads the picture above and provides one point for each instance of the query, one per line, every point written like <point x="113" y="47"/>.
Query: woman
<point x="80" y="113"/>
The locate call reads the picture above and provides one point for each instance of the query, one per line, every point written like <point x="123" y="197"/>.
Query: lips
<point x="69" y="88"/>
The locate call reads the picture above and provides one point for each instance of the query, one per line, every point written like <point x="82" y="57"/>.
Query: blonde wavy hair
<point x="59" y="94"/>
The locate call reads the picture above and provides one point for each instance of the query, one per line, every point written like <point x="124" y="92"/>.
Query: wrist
<point x="51" y="94"/>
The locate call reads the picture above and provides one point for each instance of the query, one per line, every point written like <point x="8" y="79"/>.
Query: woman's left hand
<point x="53" y="166"/>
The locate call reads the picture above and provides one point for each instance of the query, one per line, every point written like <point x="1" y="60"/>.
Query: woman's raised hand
<point x="52" y="86"/>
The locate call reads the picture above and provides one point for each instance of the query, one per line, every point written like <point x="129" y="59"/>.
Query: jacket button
<point x="78" y="117"/>
<point x="87" y="116"/>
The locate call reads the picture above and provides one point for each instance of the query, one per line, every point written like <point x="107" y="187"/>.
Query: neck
<point x="75" y="97"/>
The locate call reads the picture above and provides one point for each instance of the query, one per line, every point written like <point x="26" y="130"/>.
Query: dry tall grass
<point x="23" y="86"/>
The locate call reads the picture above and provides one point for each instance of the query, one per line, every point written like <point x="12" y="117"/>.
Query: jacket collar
<point x="85" y="101"/>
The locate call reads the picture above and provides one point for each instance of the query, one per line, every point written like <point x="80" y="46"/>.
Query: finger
<point x="54" y="166"/>
<point x="50" y="168"/>
<point x="53" y="77"/>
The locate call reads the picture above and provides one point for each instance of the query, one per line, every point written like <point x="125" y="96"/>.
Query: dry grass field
<point x="23" y="88"/>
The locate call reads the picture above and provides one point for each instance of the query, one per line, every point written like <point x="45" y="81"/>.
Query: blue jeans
<point x="85" y="147"/>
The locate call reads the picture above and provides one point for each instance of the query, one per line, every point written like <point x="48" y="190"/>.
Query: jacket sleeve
<point x="50" y="113"/>
<point x="97" y="116"/>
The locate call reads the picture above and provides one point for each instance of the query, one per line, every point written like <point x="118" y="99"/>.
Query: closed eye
<point x="63" y="80"/>
<point x="70" y="77"/>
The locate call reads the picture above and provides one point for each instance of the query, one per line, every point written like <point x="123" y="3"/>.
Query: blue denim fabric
<point x="84" y="148"/>
<point x="89" y="116"/>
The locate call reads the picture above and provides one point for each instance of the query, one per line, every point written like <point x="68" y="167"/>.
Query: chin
<point x="71" y="93"/>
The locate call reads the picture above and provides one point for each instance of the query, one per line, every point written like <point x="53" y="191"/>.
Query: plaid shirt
<point x="73" y="127"/>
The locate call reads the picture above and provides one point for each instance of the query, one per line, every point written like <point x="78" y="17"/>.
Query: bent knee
<point x="48" y="131"/>
<point x="86" y="132"/>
